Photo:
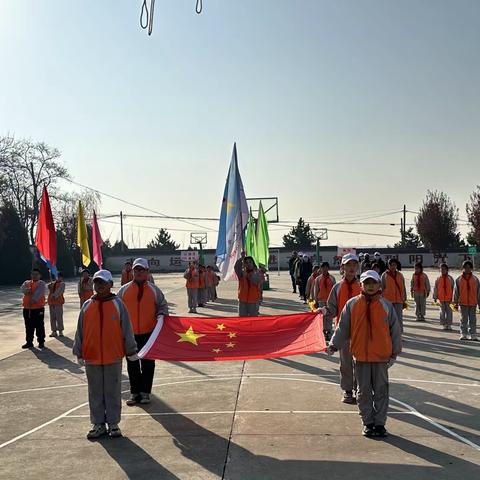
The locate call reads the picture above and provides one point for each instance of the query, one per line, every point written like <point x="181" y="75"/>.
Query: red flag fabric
<point x="97" y="242"/>
<point x="235" y="338"/>
<point x="46" y="238"/>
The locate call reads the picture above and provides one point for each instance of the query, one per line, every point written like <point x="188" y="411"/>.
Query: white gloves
<point x="81" y="362"/>
<point x="133" y="358"/>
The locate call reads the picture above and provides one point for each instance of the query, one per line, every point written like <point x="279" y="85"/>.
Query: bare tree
<point x="473" y="214"/>
<point x="25" y="168"/>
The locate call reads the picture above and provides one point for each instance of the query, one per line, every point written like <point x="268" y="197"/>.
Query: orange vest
<point x="192" y="279"/>
<point x="27" y="296"/>
<point x="103" y="341"/>
<point x="467" y="290"/>
<point x="444" y="288"/>
<point x="85" y="294"/>
<point x="394" y="290"/>
<point x="126" y="277"/>
<point x="201" y="279"/>
<point x="325" y="283"/>
<point x="345" y="293"/>
<point x="211" y="277"/>
<point x="370" y="339"/>
<point x="419" y="282"/>
<point x="142" y="307"/>
<point x="55" y="301"/>
<point x="248" y="291"/>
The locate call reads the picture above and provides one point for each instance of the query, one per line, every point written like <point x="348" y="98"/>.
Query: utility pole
<point x="404" y="224"/>
<point x="402" y="235"/>
<point x="121" y="232"/>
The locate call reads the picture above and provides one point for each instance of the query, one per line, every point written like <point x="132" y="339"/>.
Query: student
<point x="322" y="288"/>
<point x="291" y="270"/>
<point x="310" y="289"/>
<point x="369" y="324"/>
<point x="376" y="268"/>
<point x="443" y="292"/>
<point x="420" y="290"/>
<point x="210" y="284"/>
<point x="249" y="282"/>
<point x="34" y="291"/>
<point x="366" y="263"/>
<point x="127" y="274"/>
<point x="145" y="304"/>
<point x="104" y="336"/>
<point x="377" y="258"/>
<point x="85" y="287"/>
<point x="202" y="291"/>
<point x="262" y="272"/>
<point x="191" y="276"/>
<point x="466" y="293"/>
<point x="341" y="292"/>
<point x="393" y="289"/>
<point x="56" y="289"/>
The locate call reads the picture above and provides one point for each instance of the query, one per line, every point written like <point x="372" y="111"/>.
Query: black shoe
<point x="380" y="431"/>
<point x="349" y="398"/>
<point x="368" y="430"/>
<point x="41" y="345"/>
<point x="27" y="345"/>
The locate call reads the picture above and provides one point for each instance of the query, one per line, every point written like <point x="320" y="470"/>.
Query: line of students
<point x="201" y="285"/>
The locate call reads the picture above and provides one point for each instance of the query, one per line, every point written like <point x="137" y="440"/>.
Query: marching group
<point x="368" y="310"/>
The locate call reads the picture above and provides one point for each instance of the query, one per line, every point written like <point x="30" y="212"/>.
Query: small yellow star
<point x="216" y="350"/>
<point x="189" y="336"/>
<point x="221" y="326"/>
<point x="232" y="334"/>
<point x="230" y="345"/>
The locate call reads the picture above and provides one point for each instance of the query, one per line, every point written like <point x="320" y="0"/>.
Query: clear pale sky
<point x="337" y="107"/>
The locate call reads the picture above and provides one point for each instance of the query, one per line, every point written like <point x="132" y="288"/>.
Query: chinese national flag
<point x="235" y="338"/>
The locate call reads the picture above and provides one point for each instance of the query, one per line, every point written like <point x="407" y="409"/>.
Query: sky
<point x="343" y="109"/>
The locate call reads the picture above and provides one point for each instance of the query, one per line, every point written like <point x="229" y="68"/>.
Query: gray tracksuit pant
<point x="202" y="296"/>
<point x="105" y="392"/>
<point x="398" y="307"/>
<point x="420" y="305"/>
<point x="248" y="309"/>
<point x="372" y="392"/>
<point x="56" y="318"/>
<point x="192" y="294"/>
<point x="327" y="319"/>
<point x="347" y="371"/>
<point x="468" y="324"/>
<point x="446" y="314"/>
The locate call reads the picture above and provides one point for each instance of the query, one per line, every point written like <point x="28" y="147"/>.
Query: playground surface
<point x="263" y="419"/>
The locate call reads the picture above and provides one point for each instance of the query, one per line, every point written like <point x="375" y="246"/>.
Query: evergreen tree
<point x="163" y="242"/>
<point x="300" y="237"/>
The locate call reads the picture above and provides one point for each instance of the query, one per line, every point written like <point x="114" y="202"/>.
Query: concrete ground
<point x="262" y="419"/>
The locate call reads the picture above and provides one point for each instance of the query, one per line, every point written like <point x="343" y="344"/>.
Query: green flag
<point x="262" y="238"/>
<point x="250" y="240"/>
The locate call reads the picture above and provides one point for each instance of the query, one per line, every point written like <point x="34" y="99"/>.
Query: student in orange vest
<point x="341" y="292"/>
<point x="127" y="274"/>
<point x="85" y="287"/>
<point x="104" y="336"/>
<point x="249" y="282"/>
<point x="210" y="284"/>
<point x="191" y="276"/>
<point x="321" y="290"/>
<point x="34" y="291"/>
<point x="393" y="288"/>
<point x="443" y="292"/>
<point x="369" y="324"/>
<point x="420" y="290"/>
<point x="310" y="289"/>
<point x="202" y="291"/>
<point x="56" y="289"/>
<point x="466" y="294"/>
<point x="146" y="304"/>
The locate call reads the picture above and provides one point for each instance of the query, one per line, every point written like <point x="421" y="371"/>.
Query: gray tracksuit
<point x="446" y="314"/>
<point x="420" y="297"/>
<point x="468" y="311"/>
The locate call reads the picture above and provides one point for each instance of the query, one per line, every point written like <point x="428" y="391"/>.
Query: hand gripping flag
<point x="233" y="220"/>
<point x="234" y="338"/>
<point x="46" y="238"/>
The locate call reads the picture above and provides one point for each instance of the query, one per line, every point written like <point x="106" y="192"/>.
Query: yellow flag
<point x="82" y="236"/>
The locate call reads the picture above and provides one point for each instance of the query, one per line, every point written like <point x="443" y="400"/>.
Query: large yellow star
<point x="220" y="326"/>
<point x="189" y="336"/>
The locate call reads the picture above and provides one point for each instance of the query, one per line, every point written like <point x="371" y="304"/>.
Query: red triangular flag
<point x="97" y="242"/>
<point x="46" y="238"/>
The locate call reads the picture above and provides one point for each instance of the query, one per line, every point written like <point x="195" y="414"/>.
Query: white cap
<point x="376" y="254"/>
<point x="141" y="262"/>
<point x="370" y="274"/>
<point x="349" y="257"/>
<point x="104" y="275"/>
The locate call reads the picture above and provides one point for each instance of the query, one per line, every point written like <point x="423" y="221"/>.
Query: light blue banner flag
<point x="233" y="220"/>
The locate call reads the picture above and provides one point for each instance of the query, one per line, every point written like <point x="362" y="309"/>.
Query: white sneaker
<point x="463" y="337"/>
<point x="144" y="398"/>
<point x="114" y="431"/>
<point x="97" y="430"/>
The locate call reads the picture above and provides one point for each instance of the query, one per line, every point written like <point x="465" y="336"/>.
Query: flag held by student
<point x="235" y="338"/>
<point x="97" y="242"/>
<point x="46" y="237"/>
<point x="82" y="236"/>
<point x="233" y="220"/>
<point x="262" y="240"/>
